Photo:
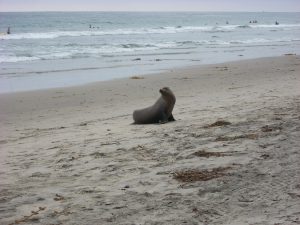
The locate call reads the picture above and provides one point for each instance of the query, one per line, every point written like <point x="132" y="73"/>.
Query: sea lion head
<point x="168" y="94"/>
<point x="165" y="90"/>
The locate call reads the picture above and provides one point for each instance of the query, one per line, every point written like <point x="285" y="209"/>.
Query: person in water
<point x="8" y="30"/>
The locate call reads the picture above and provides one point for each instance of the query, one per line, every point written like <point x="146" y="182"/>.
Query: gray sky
<point x="151" y="5"/>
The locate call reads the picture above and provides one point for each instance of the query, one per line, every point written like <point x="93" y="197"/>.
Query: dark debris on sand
<point x="136" y="77"/>
<point x="206" y="154"/>
<point x="270" y="128"/>
<point x="218" y="123"/>
<point x="29" y="218"/>
<point x="194" y="175"/>
<point x="243" y="136"/>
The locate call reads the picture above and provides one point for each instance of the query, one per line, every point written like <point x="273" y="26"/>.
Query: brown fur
<point x="160" y="112"/>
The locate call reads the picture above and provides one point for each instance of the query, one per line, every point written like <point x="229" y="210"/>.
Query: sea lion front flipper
<point x="162" y="121"/>
<point x="163" y="118"/>
<point x="171" y="118"/>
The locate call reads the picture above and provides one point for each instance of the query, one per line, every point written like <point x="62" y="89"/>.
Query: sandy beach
<point x="72" y="156"/>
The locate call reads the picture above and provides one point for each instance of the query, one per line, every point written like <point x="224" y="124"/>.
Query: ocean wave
<point x="13" y="59"/>
<point x="275" y="26"/>
<point x="72" y="51"/>
<point x="244" y="26"/>
<point x="140" y="31"/>
<point x="79" y="50"/>
<point x="57" y="34"/>
<point x="140" y="46"/>
<point x="204" y="43"/>
<point x="234" y="42"/>
<point x="263" y="40"/>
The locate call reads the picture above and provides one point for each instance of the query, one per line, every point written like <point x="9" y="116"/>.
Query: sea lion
<point x="160" y="112"/>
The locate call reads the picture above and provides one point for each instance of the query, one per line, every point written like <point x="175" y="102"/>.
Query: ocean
<point x="58" y="49"/>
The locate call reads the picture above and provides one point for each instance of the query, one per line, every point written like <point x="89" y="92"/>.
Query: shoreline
<point x="71" y="155"/>
<point x="104" y="46"/>
<point x="21" y="77"/>
<point x="167" y="70"/>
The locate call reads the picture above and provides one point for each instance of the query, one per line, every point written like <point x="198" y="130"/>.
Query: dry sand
<point x="70" y="156"/>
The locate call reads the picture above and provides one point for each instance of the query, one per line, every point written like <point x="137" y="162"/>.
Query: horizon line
<point x="150" y="11"/>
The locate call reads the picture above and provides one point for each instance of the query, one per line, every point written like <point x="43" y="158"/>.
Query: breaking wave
<point x="141" y="31"/>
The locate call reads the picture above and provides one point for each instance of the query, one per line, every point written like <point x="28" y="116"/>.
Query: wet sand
<point x="71" y="155"/>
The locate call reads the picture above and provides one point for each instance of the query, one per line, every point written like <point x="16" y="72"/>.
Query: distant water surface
<point x="54" y="49"/>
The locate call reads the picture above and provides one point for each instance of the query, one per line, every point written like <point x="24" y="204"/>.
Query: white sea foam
<point x="276" y="26"/>
<point x="238" y="41"/>
<point x="86" y="51"/>
<point x="82" y="51"/>
<point x="137" y="31"/>
<point x="13" y="59"/>
<point x="52" y="35"/>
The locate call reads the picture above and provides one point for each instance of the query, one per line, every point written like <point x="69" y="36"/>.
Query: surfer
<point x="8" y="30"/>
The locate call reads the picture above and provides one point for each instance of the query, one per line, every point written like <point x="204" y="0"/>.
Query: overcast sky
<point x="151" y="5"/>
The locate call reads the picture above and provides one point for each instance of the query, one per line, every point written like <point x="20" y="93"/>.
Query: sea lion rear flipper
<point x="171" y="118"/>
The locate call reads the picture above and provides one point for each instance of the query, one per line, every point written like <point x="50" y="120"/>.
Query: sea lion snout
<point x="164" y="90"/>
